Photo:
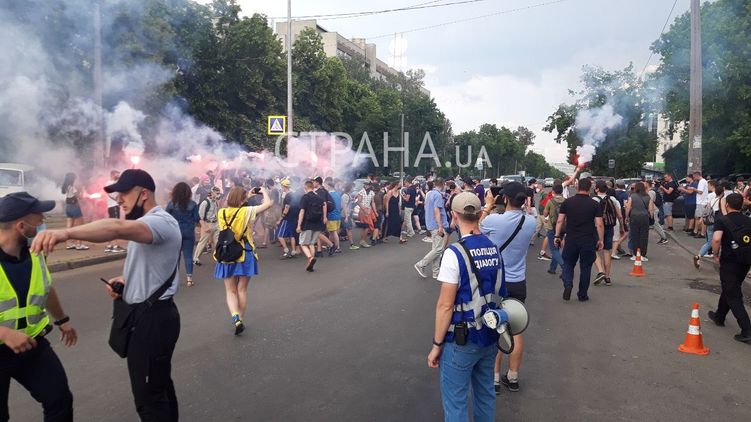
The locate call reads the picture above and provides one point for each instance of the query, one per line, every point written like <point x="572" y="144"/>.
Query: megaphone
<point x="510" y="319"/>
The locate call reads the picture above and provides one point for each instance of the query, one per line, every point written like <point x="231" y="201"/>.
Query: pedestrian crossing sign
<point x="277" y="125"/>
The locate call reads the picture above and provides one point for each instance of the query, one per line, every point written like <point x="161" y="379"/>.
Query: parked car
<point x="549" y="182"/>
<point x="14" y="178"/>
<point x="511" y="178"/>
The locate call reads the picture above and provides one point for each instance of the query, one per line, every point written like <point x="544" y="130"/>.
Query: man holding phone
<point x="149" y="268"/>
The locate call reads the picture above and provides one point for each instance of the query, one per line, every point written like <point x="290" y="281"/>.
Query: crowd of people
<point x="588" y="228"/>
<point x="317" y="217"/>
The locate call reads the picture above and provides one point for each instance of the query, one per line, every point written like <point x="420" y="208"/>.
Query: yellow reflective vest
<point x="36" y="301"/>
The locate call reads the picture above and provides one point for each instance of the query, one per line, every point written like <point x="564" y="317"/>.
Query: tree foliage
<point x="630" y="144"/>
<point x="726" y="80"/>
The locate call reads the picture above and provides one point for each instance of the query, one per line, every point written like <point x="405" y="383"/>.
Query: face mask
<point x="137" y="211"/>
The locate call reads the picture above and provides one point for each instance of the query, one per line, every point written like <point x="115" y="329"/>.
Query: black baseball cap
<point x="20" y="204"/>
<point x="512" y="189"/>
<point x="130" y="179"/>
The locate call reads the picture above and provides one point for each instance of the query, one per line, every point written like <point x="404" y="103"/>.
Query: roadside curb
<point x="80" y="263"/>
<point x="692" y="252"/>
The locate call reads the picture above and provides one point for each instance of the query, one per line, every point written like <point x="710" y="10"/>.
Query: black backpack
<point x="330" y="204"/>
<point x="742" y="237"/>
<point x="315" y="209"/>
<point x="608" y="211"/>
<point x="228" y="249"/>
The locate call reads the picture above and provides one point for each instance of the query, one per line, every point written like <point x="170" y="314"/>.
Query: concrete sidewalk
<point x="62" y="259"/>
<point x="692" y="245"/>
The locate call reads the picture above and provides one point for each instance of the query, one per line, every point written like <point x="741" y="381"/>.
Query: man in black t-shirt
<point x="329" y="202"/>
<point x="669" y="191"/>
<point x="311" y="222"/>
<point x="732" y="270"/>
<point x="585" y="232"/>
<point x="409" y="194"/>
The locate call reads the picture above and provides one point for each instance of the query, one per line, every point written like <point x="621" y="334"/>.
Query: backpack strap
<point x="206" y="211"/>
<point x="513" y="235"/>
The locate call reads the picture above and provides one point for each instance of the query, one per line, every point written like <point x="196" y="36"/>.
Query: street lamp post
<point x="290" y="129"/>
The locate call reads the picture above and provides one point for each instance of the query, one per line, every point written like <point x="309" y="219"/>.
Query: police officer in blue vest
<point x="463" y="348"/>
<point x="26" y="299"/>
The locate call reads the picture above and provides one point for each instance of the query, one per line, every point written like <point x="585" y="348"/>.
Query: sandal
<point x="190" y="283"/>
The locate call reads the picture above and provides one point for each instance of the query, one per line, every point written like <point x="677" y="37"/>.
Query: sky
<point x="512" y="68"/>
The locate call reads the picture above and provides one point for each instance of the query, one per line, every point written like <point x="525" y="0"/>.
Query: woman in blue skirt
<point x="236" y="275"/>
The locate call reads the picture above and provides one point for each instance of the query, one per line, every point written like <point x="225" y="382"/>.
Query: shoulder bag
<point x="125" y="317"/>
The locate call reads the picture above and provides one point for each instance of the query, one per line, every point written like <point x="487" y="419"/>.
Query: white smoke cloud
<point x="592" y="126"/>
<point x="49" y="118"/>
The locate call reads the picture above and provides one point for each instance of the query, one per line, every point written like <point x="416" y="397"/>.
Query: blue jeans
<point x="187" y="250"/>
<point x="584" y="252"/>
<point x="705" y="248"/>
<point x="555" y="252"/>
<point x="460" y="367"/>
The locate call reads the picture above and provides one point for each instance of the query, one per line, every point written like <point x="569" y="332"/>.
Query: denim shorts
<point x="667" y="208"/>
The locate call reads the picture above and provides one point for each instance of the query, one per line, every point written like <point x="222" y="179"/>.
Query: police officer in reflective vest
<point x="26" y="297"/>
<point x="463" y="348"/>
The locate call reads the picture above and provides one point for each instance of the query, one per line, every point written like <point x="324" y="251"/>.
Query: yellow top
<point x="243" y="220"/>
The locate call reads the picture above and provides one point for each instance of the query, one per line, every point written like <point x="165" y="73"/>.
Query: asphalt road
<point x="349" y="342"/>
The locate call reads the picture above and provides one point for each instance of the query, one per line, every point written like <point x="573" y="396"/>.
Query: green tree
<point x="630" y="144"/>
<point x="726" y="54"/>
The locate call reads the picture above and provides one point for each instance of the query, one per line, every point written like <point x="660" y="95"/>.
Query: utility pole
<point x="290" y="129"/>
<point x="695" y="105"/>
<point x="401" y="166"/>
<point x="102" y="141"/>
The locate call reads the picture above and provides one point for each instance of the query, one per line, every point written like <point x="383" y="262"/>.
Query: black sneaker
<point x="713" y="317"/>
<point x="497" y="387"/>
<point x="239" y="327"/>
<point x="513" y="385"/>
<point x="310" y="266"/>
<point x="662" y="241"/>
<point x="743" y="338"/>
<point x="567" y="293"/>
<point x="551" y="272"/>
<point x="627" y="255"/>
<point x="318" y="254"/>
<point x="599" y="279"/>
<point x="331" y="251"/>
<point x="608" y="282"/>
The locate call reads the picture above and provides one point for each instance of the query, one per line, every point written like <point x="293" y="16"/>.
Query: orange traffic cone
<point x="638" y="270"/>
<point x="694" y="343"/>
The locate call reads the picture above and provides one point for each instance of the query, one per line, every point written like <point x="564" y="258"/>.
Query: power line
<point x="502" y="12"/>
<point x="425" y="5"/>
<point x="651" y="53"/>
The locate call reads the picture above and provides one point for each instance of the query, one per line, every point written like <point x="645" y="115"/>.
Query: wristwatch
<point x="435" y="343"/>
<point x="62" y="321"/>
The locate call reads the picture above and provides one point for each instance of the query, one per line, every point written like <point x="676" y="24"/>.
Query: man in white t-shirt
<point x="702" y="192"/>
<point x="570" y="181"/>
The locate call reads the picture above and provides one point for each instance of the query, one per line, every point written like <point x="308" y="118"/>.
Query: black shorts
<point x="114" y="212"/>
<point x="517" y="290"/>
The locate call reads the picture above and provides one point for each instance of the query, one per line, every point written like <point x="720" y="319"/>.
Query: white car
<point x="549" y="182"/>
<point x="14" y="178"/>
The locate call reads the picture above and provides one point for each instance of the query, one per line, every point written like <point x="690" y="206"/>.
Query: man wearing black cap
<point x="150" y="279"/>
<point x="26" y="297"/>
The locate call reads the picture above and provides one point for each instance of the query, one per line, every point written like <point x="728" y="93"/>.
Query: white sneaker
<point x="633" y="258"/>
<point x="644" y="259"/>
<point x="420" y="271"/>
<point x="427" y="240"/>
